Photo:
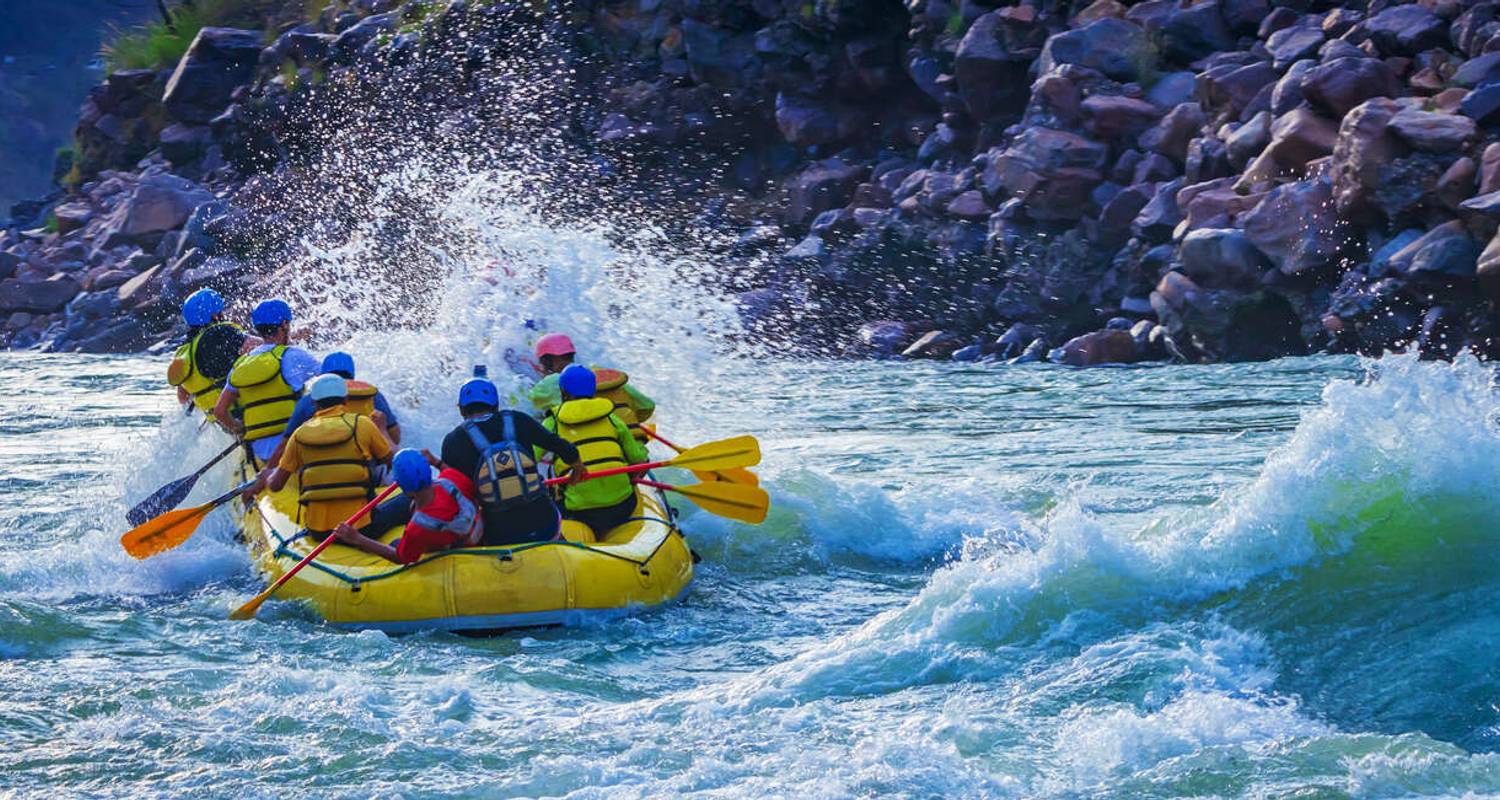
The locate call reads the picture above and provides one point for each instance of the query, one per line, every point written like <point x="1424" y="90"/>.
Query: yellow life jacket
<point x="266" y="398"/>
<point x="501" y="483"/>
<point x="610" y="384"/>
<point x="361" y="398"/>
<point x="185" y="371"/>
<point x="334" y="466"/>
<point x="585" y="423"/>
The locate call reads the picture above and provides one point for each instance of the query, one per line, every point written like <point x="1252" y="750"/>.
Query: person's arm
<point x="374" y="438"/>
<point x="250" y="343"/>
<point x="227" y="421"/>
<point x="635" y="452"/>
<point x="290" y="462"/>
<point x="183" y="398"/>
<point x="347" y="534"/>
<point x="392" y="422"/>
<point x="642" y="405"/>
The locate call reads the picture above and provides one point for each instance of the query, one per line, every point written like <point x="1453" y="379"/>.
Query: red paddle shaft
<point x="307" y="559"/>
<point x="605" y="473"/>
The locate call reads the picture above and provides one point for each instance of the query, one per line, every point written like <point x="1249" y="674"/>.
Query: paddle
<point x="741" y="451"/>
<point x="733" y="475"/>
<point x="171" y="496"/>
<point x="168" y="530"/>
<point x="731" y="500"/>
<point x="248" y="610"/>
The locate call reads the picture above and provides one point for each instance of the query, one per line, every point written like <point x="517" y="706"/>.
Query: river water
<point x="1261" y="580"/>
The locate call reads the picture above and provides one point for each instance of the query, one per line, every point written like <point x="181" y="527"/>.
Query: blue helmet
<point x="271" y="312"/>
<point x="201" y="306"/>
<point x="478" y="391"/>
<point x="412" y="471"/>
<point x="339" y="362"/>
<point x="578" y="381"/>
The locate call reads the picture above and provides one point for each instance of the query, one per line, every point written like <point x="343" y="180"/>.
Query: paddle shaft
<point x="251" y="606"/>
<point x="605" y="473"/>
<point x="220" y="457"/>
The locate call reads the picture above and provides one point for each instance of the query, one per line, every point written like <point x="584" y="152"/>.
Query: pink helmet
<point x="554" y="344"/>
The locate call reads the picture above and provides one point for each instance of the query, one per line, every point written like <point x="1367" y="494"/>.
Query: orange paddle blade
<point x="164" y="532"/>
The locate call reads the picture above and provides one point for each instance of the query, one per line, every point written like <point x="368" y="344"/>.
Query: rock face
<point x="1217" y="179"/>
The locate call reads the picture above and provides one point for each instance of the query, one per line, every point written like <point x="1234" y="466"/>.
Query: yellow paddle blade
<point x="247" y="611"/>
<point x="164" y="532"/>
<point x="729" y="500"/>
<point x="736" y="475"/>
<point x="741" y="451"/>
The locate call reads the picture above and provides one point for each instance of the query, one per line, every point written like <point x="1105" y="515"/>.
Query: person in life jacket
<point x="588" y="422"/>
<point x="362" y="399"/>
<point x="202" y="363"/>
<point x="499" y="450"/>
<point x="439" y="514"/>
<point x="266" y="382"/>
<point x="333" y="455"/>
<point x="555" y="353"/>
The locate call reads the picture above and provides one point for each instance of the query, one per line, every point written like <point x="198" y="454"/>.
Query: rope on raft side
<point x="283" y="549"/>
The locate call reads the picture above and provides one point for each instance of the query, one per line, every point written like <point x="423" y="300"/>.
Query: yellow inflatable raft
<point x="645" y="562"/>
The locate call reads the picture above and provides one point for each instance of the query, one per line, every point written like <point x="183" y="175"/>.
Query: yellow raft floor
<point x="645" y="562"/>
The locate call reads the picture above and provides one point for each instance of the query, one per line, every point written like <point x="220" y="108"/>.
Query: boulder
<point x="933" y="344"/>
<point x="991" y="79"/>
<point x="1172" y="89"/>
<point x="1297" y="137"/>
<point x="1219" y="258"/>
<point x="1433" y="133"/>
<point x="1193" y="33"/>
<point x="1287" y="94"/>
<point x="1160" y="217"/>
<point x="1293" y="44"/>
<point x="218" y="60"/>
<point x="1115" y="47"/>
<point x="1099" y="347"/>
<point x="158" y="203"/>
<point x="804" y="122"/>
<point x="1296" y="226"/>
<point x="72" y="216"/>
<point x="184" y="144"/>
<point x="1116" y="117"/>
<point x="1231" y="88"/>
<point x="1244" y="16"/>
<point x="1456" y="186"/>
<point x="1478" y="71"/>
<point x="37" y="297"/>
<point x="143" y="290"/>
<point x="1249" y="140"/>
<point x="1489" y="169"/>
<point x="1444" y="251"/>
<point x="1406" y="30"/>
<point x="823" y="185"/>
<point x="1364" y="147"/>
<point x="716" y="55"/>
<point x="1339" y="85"/>
<point x="1154" y="167"/>
<point x="886" y="337"/>
<point x="348" y="44"/>
<point x="1482" y="105"/>
<point x="1488" y="269"/>
<point x="1171" y="136"/>
<point x="1052" y="172"/>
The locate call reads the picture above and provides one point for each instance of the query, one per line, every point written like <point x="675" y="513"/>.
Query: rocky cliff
<point x="1101" y="182"/>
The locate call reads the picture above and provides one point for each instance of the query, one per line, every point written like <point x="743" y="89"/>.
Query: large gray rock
<point x="218" y="60"/>
<point x="1297" y="138"/>
<point x="1176" y="130"/>
<point x="1478" y="71"/>
<point x="1407" y="30"/>
<point x="37" y="297"/>
<point x="1364" y="148"/>
<point x="1052" y="172"/>
<point x="1119" y="49"/>
<point x="1293" y="44"/>
<point x="1343" y="83"/>
<point x="1099" y="347"/>
<point x="823" y="185"/>
<point x="1433" y="133"/>
<point x="1114" y="116"/>
<point x="1296" y="226"/>
<point x="158" y="203"/>
<point x="1220" y="258"/>
<point x="991" y="79"/>
<point x="1193" y="33"/>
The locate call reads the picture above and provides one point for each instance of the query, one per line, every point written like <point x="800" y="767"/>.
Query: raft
<point x="645" y="562"/>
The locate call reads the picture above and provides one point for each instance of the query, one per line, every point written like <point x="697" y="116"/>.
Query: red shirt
<point x="419" y="539"/>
